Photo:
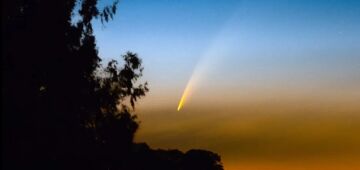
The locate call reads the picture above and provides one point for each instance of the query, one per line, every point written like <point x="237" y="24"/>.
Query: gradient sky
<point x="262" y="66"/>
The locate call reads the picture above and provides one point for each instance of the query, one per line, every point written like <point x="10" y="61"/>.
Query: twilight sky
<point x="270" y="78"/>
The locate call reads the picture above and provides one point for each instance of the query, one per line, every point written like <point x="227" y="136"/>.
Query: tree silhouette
<point x="201" y="160"/>
<point x="61" y="108"/>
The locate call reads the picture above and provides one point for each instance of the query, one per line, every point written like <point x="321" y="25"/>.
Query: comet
<point x="183" y="97"/>
<point x="217" y="50"/>
<point x="203" y="68"/>
<point x="186" y="93"/>
<point x="195" y="78"/>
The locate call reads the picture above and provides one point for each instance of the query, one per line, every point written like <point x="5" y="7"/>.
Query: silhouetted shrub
<point x="61" y="108"/>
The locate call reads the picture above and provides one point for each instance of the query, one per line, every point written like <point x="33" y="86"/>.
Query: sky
<point x="270" y="80"/>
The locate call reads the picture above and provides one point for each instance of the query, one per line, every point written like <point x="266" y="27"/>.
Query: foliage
<point x="61" y="108"/>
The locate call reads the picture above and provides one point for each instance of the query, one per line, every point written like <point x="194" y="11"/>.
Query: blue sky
<point x="255" y="41"/>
